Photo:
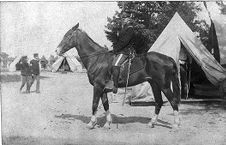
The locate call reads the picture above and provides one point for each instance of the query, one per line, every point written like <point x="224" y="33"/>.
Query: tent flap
<point x="177" y="32"/>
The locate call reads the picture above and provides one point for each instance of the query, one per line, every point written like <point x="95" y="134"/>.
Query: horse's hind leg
<point x="105" y="103"/>
<point x="158" y="103"/>
<point x="174" y="102"/>
<point x="97" y="92"/>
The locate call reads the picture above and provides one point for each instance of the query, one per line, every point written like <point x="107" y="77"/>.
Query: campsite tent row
<point x="67" y="62"/>
<point x="14" y="66"/>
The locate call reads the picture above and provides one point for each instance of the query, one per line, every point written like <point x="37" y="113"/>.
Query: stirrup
<point x="109" y="86"/>
<point x="115" y="90"/>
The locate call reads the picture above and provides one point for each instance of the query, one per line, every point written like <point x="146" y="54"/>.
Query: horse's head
<point x="68" y="41"/>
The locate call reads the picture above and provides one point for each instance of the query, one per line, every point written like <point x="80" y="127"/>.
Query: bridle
<point x="95" y="54"/>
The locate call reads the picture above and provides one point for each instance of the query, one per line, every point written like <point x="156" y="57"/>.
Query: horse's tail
<point x="176" y="83"/>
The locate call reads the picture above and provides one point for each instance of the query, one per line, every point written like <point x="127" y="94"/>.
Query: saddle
<point x="137" y="63"/>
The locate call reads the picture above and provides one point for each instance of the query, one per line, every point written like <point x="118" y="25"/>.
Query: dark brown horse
<point x="159" y="70"/>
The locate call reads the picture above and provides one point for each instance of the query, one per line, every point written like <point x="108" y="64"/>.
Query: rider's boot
<point x="115" y="72"/>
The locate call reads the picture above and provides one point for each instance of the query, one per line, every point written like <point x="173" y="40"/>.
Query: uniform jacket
<point x="125" y="40"/>
<point x="25" y="69"/>
<point x="130" y="38"/>
<point x="35" y="67"/>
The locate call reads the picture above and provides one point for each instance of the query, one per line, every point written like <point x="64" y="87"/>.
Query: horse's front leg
<point x="105" y="103"/>
<point x="97" y="92"/>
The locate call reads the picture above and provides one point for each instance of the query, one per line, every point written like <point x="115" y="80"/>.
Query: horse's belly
<point x="134" y="79"/>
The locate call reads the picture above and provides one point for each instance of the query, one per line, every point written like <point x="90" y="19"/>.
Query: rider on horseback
<point x="122" y="49"/>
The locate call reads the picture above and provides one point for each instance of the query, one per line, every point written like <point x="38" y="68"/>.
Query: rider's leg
<point x="119" y="59"/>
<point x="116" y="72"/>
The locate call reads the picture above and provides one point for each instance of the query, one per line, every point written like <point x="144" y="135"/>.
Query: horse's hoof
<point x="91" y="125"/>
<point x="151" y="124"/>
<point x="107" y="125"/>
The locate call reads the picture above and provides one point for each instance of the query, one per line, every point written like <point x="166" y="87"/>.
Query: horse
<point x="159" y="70"/>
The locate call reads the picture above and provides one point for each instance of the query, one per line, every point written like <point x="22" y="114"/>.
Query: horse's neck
<point x="87" y="45"/>
<point x="87" y="51"/>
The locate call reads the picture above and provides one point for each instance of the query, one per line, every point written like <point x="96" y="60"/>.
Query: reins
<point x="93" y="54"/>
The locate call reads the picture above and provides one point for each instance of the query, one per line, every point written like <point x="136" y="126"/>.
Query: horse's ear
<point x="75" y="27"/>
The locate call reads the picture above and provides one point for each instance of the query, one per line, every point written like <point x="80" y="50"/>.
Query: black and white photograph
<point x="113" y="72"/>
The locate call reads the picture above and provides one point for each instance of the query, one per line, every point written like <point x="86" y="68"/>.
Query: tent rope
<point x="207" y="10"/>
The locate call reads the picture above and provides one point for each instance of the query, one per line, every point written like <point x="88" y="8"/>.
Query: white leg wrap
<point x="176" y="119"/>
<point x="153" y="121"/>
<point x="154" y="118"/>
<point x="176" y="115"/>
<point x="94" y="118"/>
<point x="92" y="122"/>
<point x="109" y="120"/>
<point x="108" y="116"/>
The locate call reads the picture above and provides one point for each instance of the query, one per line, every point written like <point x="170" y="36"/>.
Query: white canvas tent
<point x="169" y="43"/>
<point x="12" y="66"/>
<point x="67" y="60"/>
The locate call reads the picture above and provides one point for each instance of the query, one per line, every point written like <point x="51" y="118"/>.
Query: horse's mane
<point x="98" y="45"/>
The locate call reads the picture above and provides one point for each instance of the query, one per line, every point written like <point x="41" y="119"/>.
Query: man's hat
<point x="35" y="54"/>
<point x="23" y="58"/>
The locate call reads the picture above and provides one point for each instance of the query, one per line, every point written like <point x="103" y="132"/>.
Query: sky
<point x="29" y="27"/>
<point x="38" y="27"/>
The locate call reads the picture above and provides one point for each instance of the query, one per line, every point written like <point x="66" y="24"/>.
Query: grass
<point x="10" y="78"/>
<point x="4" y="69"/>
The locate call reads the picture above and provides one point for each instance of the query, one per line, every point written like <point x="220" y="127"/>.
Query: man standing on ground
<point x="36" y="71"/>
<point x="25" y="74"/>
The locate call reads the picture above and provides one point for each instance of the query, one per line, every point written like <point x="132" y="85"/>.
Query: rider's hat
<point x="35" y="54"/>
<point x="127" y="20"/>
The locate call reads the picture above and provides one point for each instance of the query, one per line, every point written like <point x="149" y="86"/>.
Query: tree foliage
<point x="222" y="7"/>
<point x="151" y="17"/>
<point x="43" y="62"/>
<point x="4" y="55"/>
<point x="4" y="58"/>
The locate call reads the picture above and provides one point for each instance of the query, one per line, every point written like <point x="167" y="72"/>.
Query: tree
<point x="105" y="46"/>
<point x="150" y="18"/>
<point x="44" y="62"/>
<point x="222" y="7"/>
<point x="4" y="59"/>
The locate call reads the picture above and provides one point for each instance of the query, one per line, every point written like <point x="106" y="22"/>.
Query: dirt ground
<point x="59" y="114"/>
